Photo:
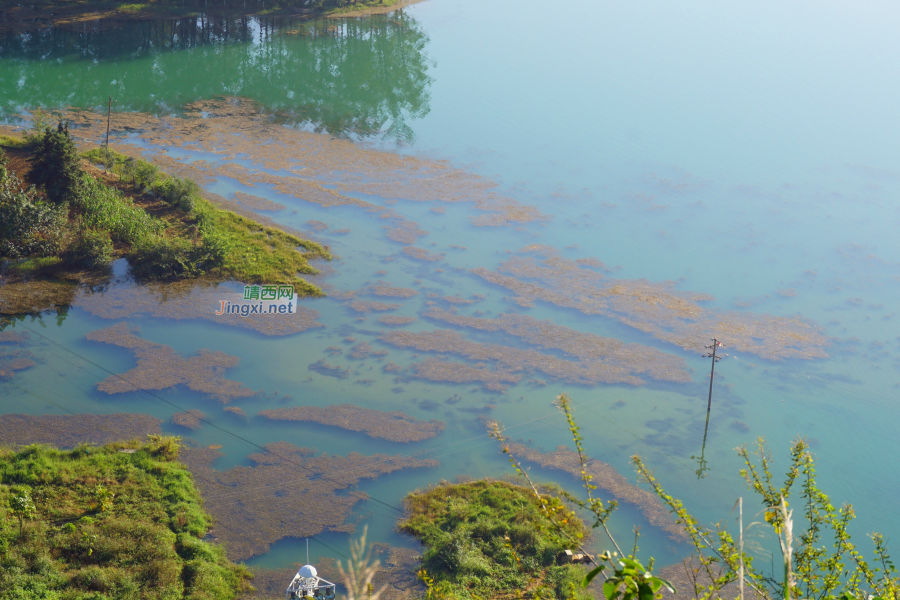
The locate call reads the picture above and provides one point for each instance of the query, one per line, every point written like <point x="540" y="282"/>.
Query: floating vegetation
<point x="235" y="410"/>
<point x="14" y="359"/>
<point x="363" y="350"/>
<point x="405" y="232"/>
<point x="229" y="127"/>
<point x="606" y="478"/>
<point x="289" y="492"/>
<point x="655" y="308"/>
<point x="36" y="296"/>
<point x="13" y="337"/>
<point x="68" y="431"/>
<point x="589" y="348"/>
<point x="159" y="367"/>
<point x="454" y="372"/>
<point x="189" y="419"/>
<point x="317" y="226"/>
<point x="391" y="367"/>
<point x="189" y="300"/>
<point x="513" y="360"/>
<point x="363" y="306"/>
<point x="257" y="203"/>
<point x="394" y="426"/>
<point x="391" y="292"/>
<point x="461" y="300"/>
<point x="394" y="321"/>
<point x="323" y="368"/>
<point x="421" y="254"/>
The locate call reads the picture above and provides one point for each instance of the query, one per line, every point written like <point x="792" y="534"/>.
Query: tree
<point x="22" y="506"/>
<point x="56" y="164"/>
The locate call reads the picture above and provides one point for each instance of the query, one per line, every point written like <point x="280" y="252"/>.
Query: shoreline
<point x="16" y="18"/>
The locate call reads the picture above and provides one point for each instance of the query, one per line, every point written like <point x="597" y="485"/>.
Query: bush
<point x="28" y="226"/>
<point x="107" y="208"/>
<point x="180" y="193"/>
<point x="215" y="248"/>
<point x="91" y="248"/>
<point x="56" y="165"/>
<point x="159" y="257"/>
<point x="145" y="174"/>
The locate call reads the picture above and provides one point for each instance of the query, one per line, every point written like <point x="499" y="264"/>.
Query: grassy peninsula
<point x="63" y="219"/>
<point x="117" y="521"/>
<point x="491" y="539"/>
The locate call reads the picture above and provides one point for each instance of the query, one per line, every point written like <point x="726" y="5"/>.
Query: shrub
<point x="28" y="226"/>
<point x="215" y="248"/>
<point x="92" y="248"/>
<point x="107" y="208"/>
<point x="56" y="164"/>
<point x="159" y="257"/>
<point x="145" y="174"/>
<point x="180" y="193"/>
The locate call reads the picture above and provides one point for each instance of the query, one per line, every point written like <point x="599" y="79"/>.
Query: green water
<point x="737" y="151"/>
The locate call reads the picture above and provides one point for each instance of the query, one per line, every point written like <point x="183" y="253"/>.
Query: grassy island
<point x="117" y="521"/>
<point x="75" y="219"/>
<point x="491" y="539"/>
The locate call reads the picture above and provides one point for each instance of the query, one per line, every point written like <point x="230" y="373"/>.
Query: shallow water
<point x="747" y="153"/>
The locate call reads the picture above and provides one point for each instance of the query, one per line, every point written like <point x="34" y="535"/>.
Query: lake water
<point x="745" y="152"/>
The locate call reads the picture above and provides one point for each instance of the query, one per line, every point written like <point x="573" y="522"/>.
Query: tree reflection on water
<point x="355" y="77"/>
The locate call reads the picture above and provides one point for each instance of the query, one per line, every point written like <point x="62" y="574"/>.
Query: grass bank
<point x="97" y="523"/>
<point x="79" y="219"/>
<point x="491" y="539"/>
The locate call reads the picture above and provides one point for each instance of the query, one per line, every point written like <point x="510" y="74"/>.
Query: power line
<point x="210" y="423"/>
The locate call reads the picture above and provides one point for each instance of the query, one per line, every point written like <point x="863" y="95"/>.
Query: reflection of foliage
<point x="360" y="77"/>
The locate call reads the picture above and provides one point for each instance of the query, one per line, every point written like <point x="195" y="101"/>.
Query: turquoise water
<point x="745" y="152"/>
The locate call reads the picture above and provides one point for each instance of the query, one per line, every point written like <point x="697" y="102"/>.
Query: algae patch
<point x="394" y="426"/>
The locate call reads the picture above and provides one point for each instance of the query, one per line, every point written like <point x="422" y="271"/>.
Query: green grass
<point x="108" y="209"/>
<point x="230" y="246"/>
<point x="258" y="254"/>
<point x="142" y="542"/>
<point x="491" y="539"/>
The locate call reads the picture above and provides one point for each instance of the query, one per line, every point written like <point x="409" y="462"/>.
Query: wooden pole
<point x="108" y="114"/>
<point x="712" y="372"/>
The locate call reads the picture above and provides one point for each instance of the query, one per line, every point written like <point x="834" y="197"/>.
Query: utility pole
<point x="701" y="472"/>
<point x="108" y="115"/>
<point x="715" y="344"/>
